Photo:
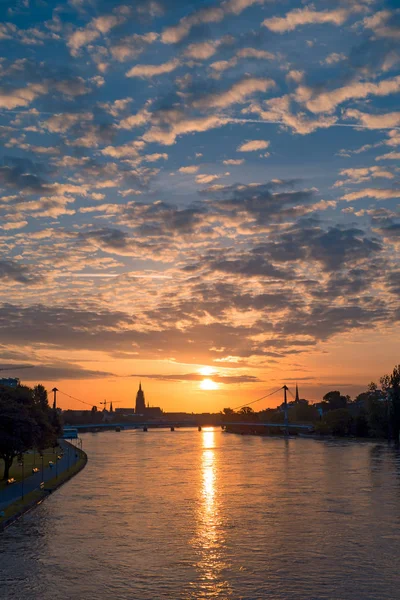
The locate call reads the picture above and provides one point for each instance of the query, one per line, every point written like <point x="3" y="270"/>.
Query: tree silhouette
<point x="391" y="386"/>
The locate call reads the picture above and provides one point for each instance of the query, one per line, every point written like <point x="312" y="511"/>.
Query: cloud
<point x="24" y="175"/>
<point x="376" y="193"/>
<point x="156" y="156"/>
<point x="202" y="50"/>
<point x="234" y="161"/>
<point x="130" y="150"/>
<point x="279" y="110"/>
<point x="253" y="145"/>
<point x="177" y="124"/>
<point x="60" y="123"/>
<point x="305" y="16"/>
<point x="326" y="101"/>
<point x="132" y="46"/>
<point x="226" y="379"/>
<point x="358" y="175"/>
<point x="13" y="271"/>
<point x="379" y="121"/>
<point x="237" y="93"/>
<point x="93" y="30"/>
<point x="385" y="24"/>
<point x="223" y="65"/>
<point x="334" y="248"/>
<point x="389" y="156"/>
<point x="116" y="107"/>
<point x="139" y="119"/>
<point x="189" y="169"/>
<point x="206" y="178"/>
<point x="252" y="265"/>
<point x="13" y="224"/>
<point x="334" y="58"/>
<point x="260" y="204"/>
<point x="254" y="53"/>
<point x="61" y="371"/>
<point x="391" y="231"/>
<point x="12" y="98"/>
<point x="243" y="53"/>
<point x="147" y="71"/>
<point x="204" y="16"/>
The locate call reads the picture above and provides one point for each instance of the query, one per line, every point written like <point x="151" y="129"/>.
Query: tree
<point x="391" y="386"/>
<point x="26" y="422"/>
<point x="377" y="417"/>
<point x="18" y="432"/>
<point x="303" y="412"/>
<point x="246" y="410"/>
<point x="336" y="422"/>
<point x="40" y="397"/>
<point x="335" y="400"/>
<point x="228" y="412"/>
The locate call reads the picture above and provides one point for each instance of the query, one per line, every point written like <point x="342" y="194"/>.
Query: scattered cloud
<point x="305" y="16"/>
<point x="189" y="169"/>
<point x="205" y="16"/>
<point x="146" y="71"/>
<point x="253" y="146"/>
<point x="237" y="93"/>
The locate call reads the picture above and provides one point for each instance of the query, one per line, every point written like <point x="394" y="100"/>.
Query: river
<point x="193" y="515"/>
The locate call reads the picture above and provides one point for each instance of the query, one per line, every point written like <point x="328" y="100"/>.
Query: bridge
<point x="281" y="425"/>
<point x="245" y="426"/>
<point x="263" y="428"/>
<point x="144" y="425"/>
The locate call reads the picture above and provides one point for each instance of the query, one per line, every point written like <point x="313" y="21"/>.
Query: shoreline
<point x="318" y="437"/>
<point x="19" y="508"/>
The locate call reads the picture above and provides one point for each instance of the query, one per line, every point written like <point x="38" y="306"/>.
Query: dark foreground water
<point x="190" y="515"/>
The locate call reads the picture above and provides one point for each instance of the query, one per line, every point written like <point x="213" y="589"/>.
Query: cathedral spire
<point x="297" y="394"/>
<point x="140" y="406"/>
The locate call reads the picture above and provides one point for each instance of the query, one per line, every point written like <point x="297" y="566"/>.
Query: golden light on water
<point x="209" y="540"/>
<point x="208" y="384"/>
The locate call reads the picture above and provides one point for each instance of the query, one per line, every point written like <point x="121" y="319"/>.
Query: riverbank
<point x="31" y="460"/>
<point x="15" y="510"/>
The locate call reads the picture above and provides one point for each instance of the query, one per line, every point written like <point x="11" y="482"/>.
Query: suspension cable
<point x="258" y="399"/>
<point x="74" y="398"/>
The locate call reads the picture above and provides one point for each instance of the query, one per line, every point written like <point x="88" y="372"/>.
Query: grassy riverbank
<point x="31" y="460"/>
<point x="15" y="510"/>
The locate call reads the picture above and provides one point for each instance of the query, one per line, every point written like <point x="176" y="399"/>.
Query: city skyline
<point x="203" y="198"/>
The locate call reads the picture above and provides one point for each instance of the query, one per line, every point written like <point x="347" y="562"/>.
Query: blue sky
<point x="207" y="184"/>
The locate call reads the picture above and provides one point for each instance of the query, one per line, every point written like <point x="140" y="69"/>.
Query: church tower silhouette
<point x="140" y="406"/>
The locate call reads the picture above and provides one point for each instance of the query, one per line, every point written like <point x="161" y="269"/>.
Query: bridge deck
<point x="282" y="425"/>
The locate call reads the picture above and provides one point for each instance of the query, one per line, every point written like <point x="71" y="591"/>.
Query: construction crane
<point x="106" y="402"/>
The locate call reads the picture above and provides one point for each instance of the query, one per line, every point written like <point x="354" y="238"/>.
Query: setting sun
<point x="208" y="384"/>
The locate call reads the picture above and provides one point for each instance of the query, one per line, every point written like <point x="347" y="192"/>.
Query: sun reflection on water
<point x="209" y="540"/>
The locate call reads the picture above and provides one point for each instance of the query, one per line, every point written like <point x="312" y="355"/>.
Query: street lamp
<point x="41" y="454"/>
<point x="21" y="461"/>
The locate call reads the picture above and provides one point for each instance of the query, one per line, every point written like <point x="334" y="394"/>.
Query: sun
<point x="208" y="384"/>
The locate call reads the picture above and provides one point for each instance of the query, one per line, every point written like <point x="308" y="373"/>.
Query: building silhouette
<point x="140" y="406"/>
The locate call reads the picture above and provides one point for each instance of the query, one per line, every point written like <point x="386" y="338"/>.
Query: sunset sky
<point x="199" y="191"/>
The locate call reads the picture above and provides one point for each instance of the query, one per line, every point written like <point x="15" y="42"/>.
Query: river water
<point x="190" y="515"/>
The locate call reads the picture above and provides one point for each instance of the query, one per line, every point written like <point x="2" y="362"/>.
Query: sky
<point x="202" y="196"/>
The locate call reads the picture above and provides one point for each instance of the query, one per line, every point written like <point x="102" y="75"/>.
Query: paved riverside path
<point x="13" y="492"/>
